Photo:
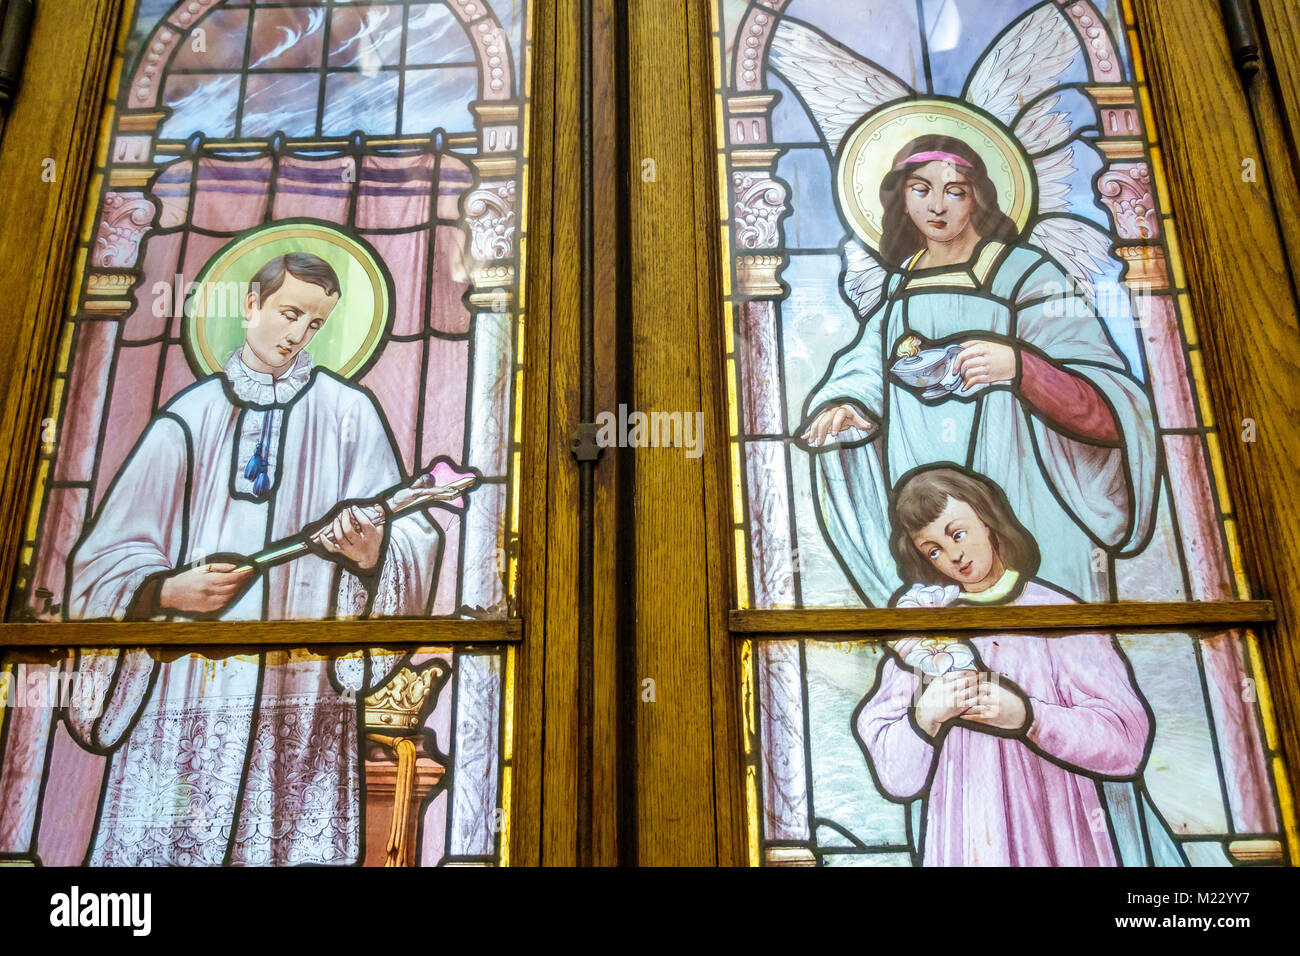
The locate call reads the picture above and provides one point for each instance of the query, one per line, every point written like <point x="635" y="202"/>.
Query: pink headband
<point x="932" y="156"/>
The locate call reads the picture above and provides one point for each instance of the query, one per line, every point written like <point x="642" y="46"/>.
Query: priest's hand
<point x="998" y="705"/>
<point x="984" y="362"/>
<point x="206" y="589"/>
<point x="833" y="421"/>
<point x="947" y="698"/>
<point x="353" y="537"/>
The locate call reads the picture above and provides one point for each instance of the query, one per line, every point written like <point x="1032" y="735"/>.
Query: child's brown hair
<point x="922" y="497"/>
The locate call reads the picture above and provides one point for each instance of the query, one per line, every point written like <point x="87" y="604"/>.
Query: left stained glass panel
<point x="287" y="387"/>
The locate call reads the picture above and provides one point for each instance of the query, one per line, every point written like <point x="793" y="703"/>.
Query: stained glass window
<point x="287" y="387"/>
<point x="962" y="368"/>
<point x="1139" y="753"/>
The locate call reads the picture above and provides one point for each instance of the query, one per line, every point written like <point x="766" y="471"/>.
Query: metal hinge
<point x="1243" y="38"/>
<point x="583" y="444"/>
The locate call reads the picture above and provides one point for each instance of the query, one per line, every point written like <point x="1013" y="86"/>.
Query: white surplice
<point x="250" y="759"/>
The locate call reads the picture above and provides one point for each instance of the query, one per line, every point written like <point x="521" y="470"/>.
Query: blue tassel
<point x="255" y="470"/>
<point x="255" y="464"/>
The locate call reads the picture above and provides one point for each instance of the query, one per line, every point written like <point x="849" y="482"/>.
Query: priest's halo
<point x="867" y="154"/>
<point x="214" y="310"/>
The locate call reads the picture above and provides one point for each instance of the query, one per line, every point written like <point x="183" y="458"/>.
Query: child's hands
<point x="997" y="705"/>
<point x="947" y="698"/>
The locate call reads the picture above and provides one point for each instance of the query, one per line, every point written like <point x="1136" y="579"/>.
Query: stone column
<point x="490" y="213"/>
<point x="758" y="203"/>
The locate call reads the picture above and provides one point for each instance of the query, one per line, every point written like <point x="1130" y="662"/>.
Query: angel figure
<point x="1028" y="387"/>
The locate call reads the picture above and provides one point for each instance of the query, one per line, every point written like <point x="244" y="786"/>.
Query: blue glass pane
<point x="201" y="102"/>
<point x="439" y="98"/>
<point x="283" y="102"/>
<point x="356" y="101"/>
<point x="436" y="36"/>
<point x="813" y="223"/>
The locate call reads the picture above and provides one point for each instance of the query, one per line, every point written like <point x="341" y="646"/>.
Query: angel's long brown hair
<point x="900" y="239"/>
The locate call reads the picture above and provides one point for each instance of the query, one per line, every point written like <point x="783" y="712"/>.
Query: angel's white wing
<point x="1081" y="248"/>
<point x="838" y="86"/>
<point x="1014" y="81"/>
<point x="1024" y="62"/>
<point x="1040" y="129"/>
<point x="864" y="277"/>
<point x="1054" y="171"/>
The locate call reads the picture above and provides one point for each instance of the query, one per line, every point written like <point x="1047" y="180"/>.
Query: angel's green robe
<point x="1084" y="501"/>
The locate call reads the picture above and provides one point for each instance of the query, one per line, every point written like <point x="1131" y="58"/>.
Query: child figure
<point x="1005" y="738"/>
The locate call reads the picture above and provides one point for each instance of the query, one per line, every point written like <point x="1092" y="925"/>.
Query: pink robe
<point x="998" y="801"/>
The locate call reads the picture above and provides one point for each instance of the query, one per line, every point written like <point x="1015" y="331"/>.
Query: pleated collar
<point x="259" y="388"/>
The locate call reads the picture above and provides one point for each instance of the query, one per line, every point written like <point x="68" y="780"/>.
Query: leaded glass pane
<point x="287" y="387"/>
<point x="962" y="368"/>
<point x="949" y="243"/>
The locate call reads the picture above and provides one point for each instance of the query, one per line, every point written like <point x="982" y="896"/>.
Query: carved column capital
<point x="760" y="202"/>
<point x="1125" y="188"/>
<point x="492" y="221"/>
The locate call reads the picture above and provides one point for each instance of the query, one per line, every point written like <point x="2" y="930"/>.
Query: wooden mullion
<point x="176" y="633"/>
<point x="675" y="757"/>
<point x="1147" y="616"/>
<point x="55" y="120"/>
<point x="535" y="722"/>
<point x="728" y="782"/>
<point x="1275" y="96"/>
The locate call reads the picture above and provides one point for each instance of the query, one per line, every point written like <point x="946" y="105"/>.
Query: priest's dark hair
<point x="301" y="265"/>
<point x="900" y="239"/>
<point x="922" y="497"/>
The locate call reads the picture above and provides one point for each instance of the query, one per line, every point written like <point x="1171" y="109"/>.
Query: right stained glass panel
<point x="949" y="243"/>
<point x="1084" y="749"/>
<point x="963" y="369"/>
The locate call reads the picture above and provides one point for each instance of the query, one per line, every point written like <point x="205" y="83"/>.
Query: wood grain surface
<point x="1242" y="294"/>
<point x="728" y="782"/>
<point x="1281" y="35"/>
<point x="295" y="633"/>
<point x="674" y="312"/>
<point x="55" y="118"/>
<point x="555" y="304"/>
<point x="1125" y="616"/>
<point x="1275" y="99"/>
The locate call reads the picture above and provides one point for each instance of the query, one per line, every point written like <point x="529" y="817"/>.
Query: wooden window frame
<point x="666" y="783"/>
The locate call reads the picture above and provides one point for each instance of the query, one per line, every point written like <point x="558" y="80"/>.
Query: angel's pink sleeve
<point x="900" y="755"/>
<point x="1066" y="399"/>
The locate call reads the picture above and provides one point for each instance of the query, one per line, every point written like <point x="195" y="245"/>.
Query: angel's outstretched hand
<point x="834" y="420"/>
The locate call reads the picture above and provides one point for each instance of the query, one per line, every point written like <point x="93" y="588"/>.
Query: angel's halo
<point x="213" y="325"/>
<point x="868" y="150"/>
